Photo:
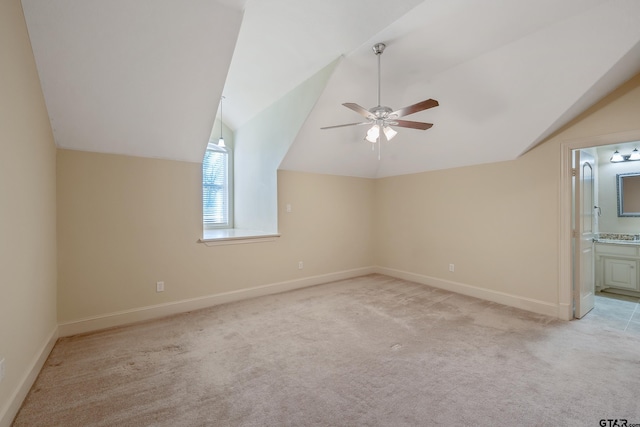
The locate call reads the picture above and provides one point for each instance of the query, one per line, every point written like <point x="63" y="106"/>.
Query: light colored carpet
<point x="370" y="351"/>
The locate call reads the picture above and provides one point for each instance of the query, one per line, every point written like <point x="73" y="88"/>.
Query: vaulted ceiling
<point x="145" y="77"/>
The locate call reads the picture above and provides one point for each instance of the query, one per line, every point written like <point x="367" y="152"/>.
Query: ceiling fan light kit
<point x="373" y="134"/>
<point x="382" y="117"/>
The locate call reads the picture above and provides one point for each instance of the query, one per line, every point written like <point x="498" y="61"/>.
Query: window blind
<point x="215" y="187"/>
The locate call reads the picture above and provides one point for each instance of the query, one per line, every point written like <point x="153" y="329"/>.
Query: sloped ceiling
<point x="505" y="73"/>
<point x="144" y="77"/>
<point x="135" y="77"/>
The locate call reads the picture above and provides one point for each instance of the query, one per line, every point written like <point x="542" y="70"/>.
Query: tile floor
<point x="616" y="312"/>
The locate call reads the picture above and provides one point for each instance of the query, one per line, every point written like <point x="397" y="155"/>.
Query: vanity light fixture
<point x="617" y="157"/>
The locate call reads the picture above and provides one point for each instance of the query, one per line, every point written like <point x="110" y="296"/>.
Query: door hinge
<point x="574" y="234"/>
<point x="574" y="172"/>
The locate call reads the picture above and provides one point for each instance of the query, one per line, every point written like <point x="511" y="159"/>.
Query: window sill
<point x="236" y="236"/>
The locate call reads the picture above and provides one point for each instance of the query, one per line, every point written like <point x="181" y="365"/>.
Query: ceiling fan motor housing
<point x="380" y="111"/>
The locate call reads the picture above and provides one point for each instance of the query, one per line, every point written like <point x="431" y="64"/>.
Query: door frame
<point x="565" y="270"/>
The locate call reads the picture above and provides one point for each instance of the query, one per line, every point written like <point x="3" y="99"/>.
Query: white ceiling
<point x="136" y="77"/>
<point x="144" y="77"/>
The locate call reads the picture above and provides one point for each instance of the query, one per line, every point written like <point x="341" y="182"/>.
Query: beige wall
<point x="498" y="223"/>
<point x="27" y="211"/>
<point x="125" y="223"/>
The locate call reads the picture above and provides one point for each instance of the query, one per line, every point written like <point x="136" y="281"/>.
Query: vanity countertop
<point x="618" y="238"/>
<point x="618" y="242"/>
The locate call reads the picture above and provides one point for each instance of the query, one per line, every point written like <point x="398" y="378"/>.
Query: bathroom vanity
<point x="617" y="265"/>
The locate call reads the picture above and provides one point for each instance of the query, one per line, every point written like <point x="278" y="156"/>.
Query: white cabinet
<point x="620" y="273"/>
<point x="617" y="266"/>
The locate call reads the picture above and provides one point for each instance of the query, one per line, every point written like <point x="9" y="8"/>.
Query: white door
<point x="584" y="274"/>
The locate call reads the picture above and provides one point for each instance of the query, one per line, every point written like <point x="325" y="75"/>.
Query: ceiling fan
<point x="382" y="117"/>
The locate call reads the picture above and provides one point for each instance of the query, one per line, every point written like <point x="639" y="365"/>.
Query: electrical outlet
<point x="288" y="207"/>
<point x="159" y="286"/>
<point x="1" y="370"/>
<point x="452" y="268"/>
<point x="300" y="265"/>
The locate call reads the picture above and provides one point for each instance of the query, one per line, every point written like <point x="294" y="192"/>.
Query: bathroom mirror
<point x="628" y="186"/>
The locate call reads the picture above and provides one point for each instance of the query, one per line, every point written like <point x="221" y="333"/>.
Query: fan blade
<point x="412" y="125"/>
<point x="348" y="124"/>
<point x="420" y="106"/>
<point x="358" y="109"/>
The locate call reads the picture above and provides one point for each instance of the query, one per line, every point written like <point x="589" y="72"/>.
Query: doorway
<point x="567" y="296"/>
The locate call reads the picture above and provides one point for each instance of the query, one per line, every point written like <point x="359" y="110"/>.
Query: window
<point x="216" y="188"/>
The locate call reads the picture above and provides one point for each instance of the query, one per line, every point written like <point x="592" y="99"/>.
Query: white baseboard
<point x="565" y="311"/>
<point x="155" y="311"/>
<point x="11" y="408"/>
<point x="536" y="306"/>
